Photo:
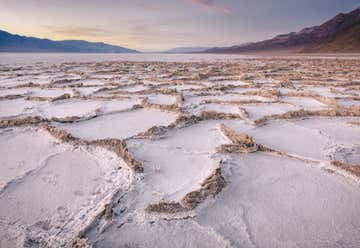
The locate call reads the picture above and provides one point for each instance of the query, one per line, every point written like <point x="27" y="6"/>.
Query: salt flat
<point x="187" y="151"/>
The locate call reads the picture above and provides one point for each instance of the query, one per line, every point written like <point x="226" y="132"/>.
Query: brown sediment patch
<point x="285" y="84"/>
<point x="29" y="85"/>
<point x="211" y="186"/>
<point x="338" y="111"/>
<point x="353" y="169"/>
<point x="220" y="87"/>
<point x="243" y="113"/>
<point x="336" y="91"/>
<point x="64" y="81"/>
<point x="31" y="120"/>
<point x="241" y="143"/>
<point x="152" y="90"/>
<point x="201" y="92"/>
<point x="173" y="107"/>
<point x="263" y="93"/>
<point x="108" y="212"/>
<point x="166" y="207"/>
<point x="180" y="99"/>
<point x="35" y="120"/>
<point x="11" y="97"/>
<point x="164" y="107"/>
<point x="182" y="121"/>
<point x="354" y="123"/>
<point x="120" y="148"/>
<point x="115" y="145"/>
<point x="62" y="97"/>
<point x="187" y="120"/>
<point x="309" y="94"/>
<point x="61" y="134"/>
<point x="234" y="102"/>
<point x="154" y="131"/>
<point x="37" y="98"/>
<point x="213" y="115"/>
<point x="105" y="98"/>
<point x="81" y="243"/>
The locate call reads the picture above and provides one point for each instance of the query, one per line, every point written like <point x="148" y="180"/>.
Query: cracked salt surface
<point x="16" y="107"/>
<point x="65" y="108"/>
<point x="178" y="164"/>
<point x="121" y="125"/>
<point x="278" y="202"/>
<point x="55" y="190"/>
<point x="164" y="146"/>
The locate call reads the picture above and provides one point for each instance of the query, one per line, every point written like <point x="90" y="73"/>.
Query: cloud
<point x="209" y="6"/>
<point x="77" y="31"/>
<point x="148" y="5"/>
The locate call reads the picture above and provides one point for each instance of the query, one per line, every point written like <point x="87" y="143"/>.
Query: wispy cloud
<point x="147" y="5"/>
<point x="77" y="31"/>
<point x="210" y="6"/>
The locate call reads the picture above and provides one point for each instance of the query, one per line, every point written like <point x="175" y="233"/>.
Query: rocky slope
<point x="16" y="43"/>
<point x="342" y="28"/>
<point x="345" y="41"/>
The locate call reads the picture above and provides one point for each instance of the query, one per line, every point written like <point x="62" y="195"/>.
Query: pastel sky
<point x="150" y="25"/>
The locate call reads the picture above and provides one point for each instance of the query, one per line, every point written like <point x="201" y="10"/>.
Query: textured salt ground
<point x="228" y="82"/>
<point x="324" y="91"/>
<point x="162" y="233"/>
<point x="338" y="129"/>
<point x="65" y="108"/>
<point x="16" y="107"/>
<point x="120" y="125"/>
<point x="277" y="202"/>
<point x="178" y="163"/>
<point x="294" y="139"/>
<point x="162" y="99"/>
<point x="93" y="81"/>
<point x="261" y="191"/>
<point x="195" y="100"/>
<point x="304" y="103"/>
<point x="135" y="88"/>
<point x="348" y="102"/>
<point x="31" y="145"/>
<point x="15" y="81"/>
<point x="119" y="105"/>
<point x="58" y="191"/>
<point x="313" y="138"/>
<point x="348" y="155"/>
<point x="185" y="87"/>
<point x="86" y="91"/>
<point x="345" y="138"/>
<point x="241" y="90"/>
<point x="270" y="201"/>
<point x="221" y="108"/>
<point x="16" y="91"/>
<point x="257" y="111"/>
<point x="52" y="93"/>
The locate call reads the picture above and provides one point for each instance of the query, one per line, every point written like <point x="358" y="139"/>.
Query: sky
<point x="154" y="25"/>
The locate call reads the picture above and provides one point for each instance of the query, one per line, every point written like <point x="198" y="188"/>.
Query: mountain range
<point x="187" y="49"/>
<point x="16" y="43"/>
<point x="340" y="34"/>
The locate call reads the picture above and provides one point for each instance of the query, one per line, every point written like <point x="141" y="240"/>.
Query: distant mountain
<point x="347" y="40"/>
<point x="16" y="43"/>
<point x="187" y="49"/>
<point x="341" y="27"/>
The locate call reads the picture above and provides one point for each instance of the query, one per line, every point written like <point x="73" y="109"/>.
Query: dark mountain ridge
<point x="298" y="41"/>
<point x="17" y="43"/>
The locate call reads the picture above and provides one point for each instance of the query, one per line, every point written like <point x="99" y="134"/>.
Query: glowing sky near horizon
<point x="162" y="24"/>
